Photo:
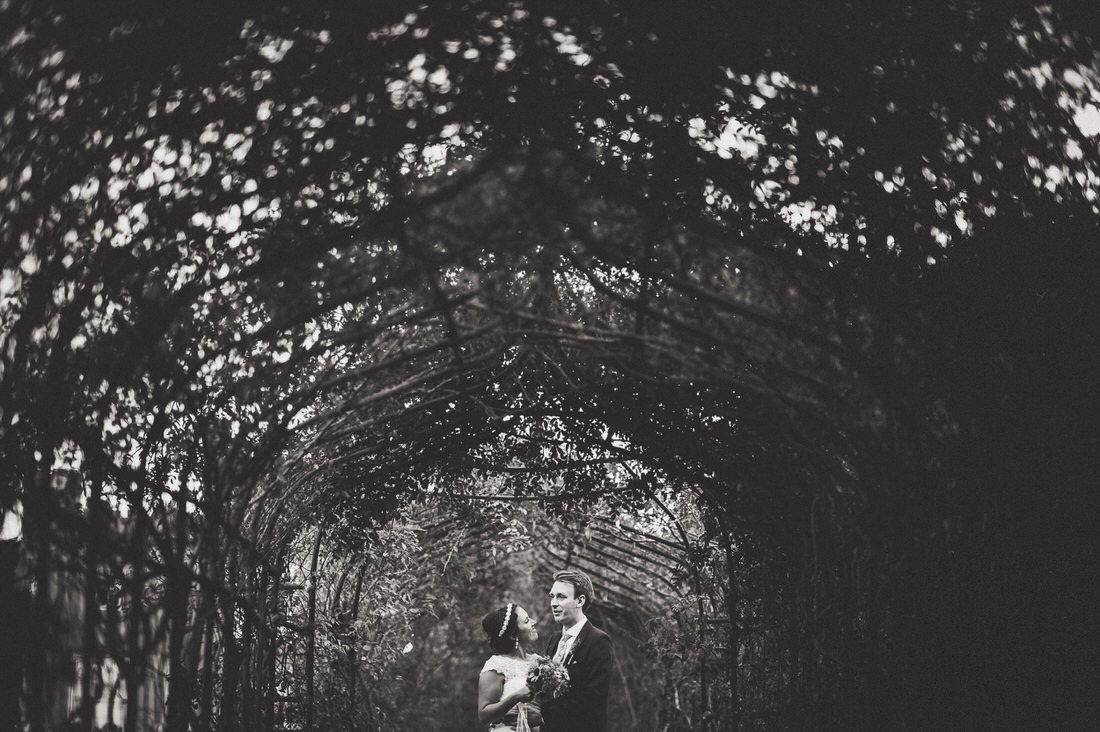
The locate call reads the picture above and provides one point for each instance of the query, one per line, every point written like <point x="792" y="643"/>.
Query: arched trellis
<point x="606" y="382"/>
<point x="641" y="576"/>
<point x="230" y="382"/>
<point x="434" y="391"/>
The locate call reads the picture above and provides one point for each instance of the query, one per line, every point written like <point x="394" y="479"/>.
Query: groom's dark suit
<point x="584" y="708"/>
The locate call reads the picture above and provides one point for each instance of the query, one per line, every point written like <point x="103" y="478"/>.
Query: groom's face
<point x="564" y="604"/>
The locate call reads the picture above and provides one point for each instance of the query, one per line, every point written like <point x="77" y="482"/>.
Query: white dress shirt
<point x="568" y="638"/>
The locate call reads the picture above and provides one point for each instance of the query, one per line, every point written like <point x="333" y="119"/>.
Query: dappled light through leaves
<point x="325" y="329"/>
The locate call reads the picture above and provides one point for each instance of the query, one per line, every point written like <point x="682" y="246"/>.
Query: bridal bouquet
<point x="548" y="677"/>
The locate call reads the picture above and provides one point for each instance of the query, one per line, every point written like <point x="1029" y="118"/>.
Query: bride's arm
<point x="490" y="706"/>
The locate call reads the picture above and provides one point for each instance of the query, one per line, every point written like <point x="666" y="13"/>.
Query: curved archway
<point x="268" y="295"/>
<point x="552" y="371"/>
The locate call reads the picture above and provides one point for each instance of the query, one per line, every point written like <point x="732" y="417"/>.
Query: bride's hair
<point x="502" y="628"/>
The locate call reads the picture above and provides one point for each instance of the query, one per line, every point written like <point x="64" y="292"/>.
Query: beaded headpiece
<point x="507" y="617"/>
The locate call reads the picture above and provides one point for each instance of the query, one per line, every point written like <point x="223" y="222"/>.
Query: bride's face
<point x="526" y="629"/>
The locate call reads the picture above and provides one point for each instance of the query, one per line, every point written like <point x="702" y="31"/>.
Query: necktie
<point x="563" y="644"/>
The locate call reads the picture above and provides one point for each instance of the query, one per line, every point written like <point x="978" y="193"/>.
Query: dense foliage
<point x="813" y="279"/>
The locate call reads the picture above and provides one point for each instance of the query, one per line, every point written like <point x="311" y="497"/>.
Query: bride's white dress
<point x="514" y="670"/>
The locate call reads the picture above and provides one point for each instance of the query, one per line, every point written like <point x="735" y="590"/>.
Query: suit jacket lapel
<point x="552" y="646"/>
<point x="571" y="654"/>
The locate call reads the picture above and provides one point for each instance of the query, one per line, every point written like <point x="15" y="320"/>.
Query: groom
<point x="585" y="651"/>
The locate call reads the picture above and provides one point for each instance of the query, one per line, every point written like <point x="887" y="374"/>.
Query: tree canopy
<point x="816" y="277"/>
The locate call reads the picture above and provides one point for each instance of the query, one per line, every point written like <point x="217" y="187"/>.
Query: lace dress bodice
<point x="514" y="670"/>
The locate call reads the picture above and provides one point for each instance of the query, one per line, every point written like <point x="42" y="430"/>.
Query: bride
<point x="503" y="699"/>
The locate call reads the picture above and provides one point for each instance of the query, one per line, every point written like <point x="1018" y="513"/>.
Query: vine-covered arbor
<point x="329" y="328"/>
